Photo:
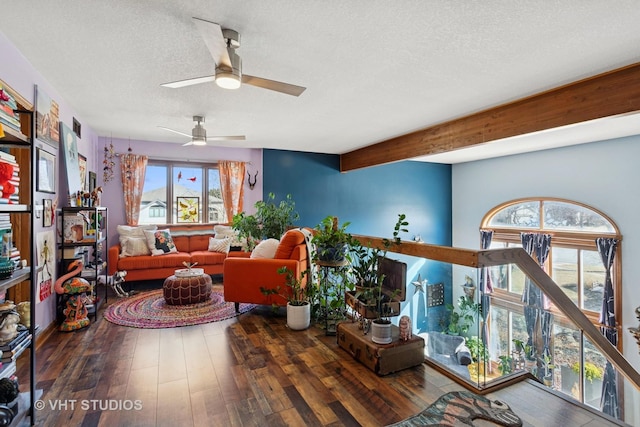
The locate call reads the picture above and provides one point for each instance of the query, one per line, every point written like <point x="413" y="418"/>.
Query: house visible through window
<point x="573" y="263"/>
<point x="166" y="181"/>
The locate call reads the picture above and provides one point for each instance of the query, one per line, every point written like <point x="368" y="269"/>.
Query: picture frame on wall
<point x="188" y="209"/>
<point x="47" y="220"/>
<point x="45" y="171"/>
<point x="47" y="121"/>
<point x="93" y="181"/>
<point x="82" y="165"/>
<point x="69" y="149"/>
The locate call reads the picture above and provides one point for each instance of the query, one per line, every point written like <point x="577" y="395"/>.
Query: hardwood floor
<point x="246" y="371"/>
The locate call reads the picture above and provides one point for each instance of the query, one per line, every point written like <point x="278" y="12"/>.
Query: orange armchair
<point x="243" y="277"/>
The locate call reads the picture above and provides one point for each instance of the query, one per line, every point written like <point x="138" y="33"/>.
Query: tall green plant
<point x="271" y="219"/>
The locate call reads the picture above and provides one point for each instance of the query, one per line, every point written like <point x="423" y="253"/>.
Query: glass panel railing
<point x="526" y="326"/>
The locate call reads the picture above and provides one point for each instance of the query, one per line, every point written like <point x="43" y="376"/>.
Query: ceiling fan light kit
<point x="222" y="43"/>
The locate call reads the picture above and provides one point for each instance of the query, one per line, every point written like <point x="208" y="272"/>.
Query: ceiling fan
<point x="199" y="134"/>
<point x="222" y="43"/>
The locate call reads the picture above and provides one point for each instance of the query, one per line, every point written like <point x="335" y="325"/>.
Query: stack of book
<point x="9" y="190"/>
<point x="8" y="117"/>
<point x="14" y="348"/>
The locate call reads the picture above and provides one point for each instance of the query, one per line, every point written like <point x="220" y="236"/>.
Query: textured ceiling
<point x="373" y="69"/>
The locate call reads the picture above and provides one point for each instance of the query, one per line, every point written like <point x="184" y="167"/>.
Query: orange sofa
<point x="192" y="243"/>
<point x="243" y="277"/>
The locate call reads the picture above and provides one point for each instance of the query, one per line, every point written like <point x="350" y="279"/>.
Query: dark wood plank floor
<point x="246" y="371"/>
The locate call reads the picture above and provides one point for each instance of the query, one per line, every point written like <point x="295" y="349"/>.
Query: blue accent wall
<point x="370" y="198"/>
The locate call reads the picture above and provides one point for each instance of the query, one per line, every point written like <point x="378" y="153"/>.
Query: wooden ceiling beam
<point x="604" y="95"/>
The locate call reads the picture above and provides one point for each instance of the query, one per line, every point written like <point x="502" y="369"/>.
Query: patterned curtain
<point x="609" y="399"/>
<point x="232" y="186"/>
<point x="538" y="320"/>
<point x="485" y="287"/>
<point x="132" y="170"/>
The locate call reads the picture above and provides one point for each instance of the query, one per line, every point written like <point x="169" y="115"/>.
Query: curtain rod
<point x="176" y="159"/>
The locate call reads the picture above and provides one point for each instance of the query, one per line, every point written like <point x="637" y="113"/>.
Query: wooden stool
<point x="187" y="290"/>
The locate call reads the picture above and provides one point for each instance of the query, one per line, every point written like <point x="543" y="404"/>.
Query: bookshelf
<point x="84" y="236"/>
<point x="17" y="220"/>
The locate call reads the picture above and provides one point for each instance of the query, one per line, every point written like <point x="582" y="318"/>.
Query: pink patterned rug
<point x="148" y="310"/>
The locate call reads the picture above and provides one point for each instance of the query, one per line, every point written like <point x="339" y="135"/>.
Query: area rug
<point x="460" y="408"/>
<point x="148" y="310"/>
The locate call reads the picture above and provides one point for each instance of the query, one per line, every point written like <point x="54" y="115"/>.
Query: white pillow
<point x="265" y="249"/>
<point x="219" y="245"/>
<point x="226" y="231"/>
<point x="127" y="232"/>
<point x="134" y="246"/>
<point x="160" y="242"/>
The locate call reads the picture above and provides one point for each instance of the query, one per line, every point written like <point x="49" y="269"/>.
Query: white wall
<point x="604" y="175"/>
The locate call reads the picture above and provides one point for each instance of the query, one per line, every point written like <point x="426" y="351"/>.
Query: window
<point x="573" y="263"/>
<point x="165" y="182"/>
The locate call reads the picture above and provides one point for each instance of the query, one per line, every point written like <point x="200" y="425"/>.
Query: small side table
<point x="331" y="285"/>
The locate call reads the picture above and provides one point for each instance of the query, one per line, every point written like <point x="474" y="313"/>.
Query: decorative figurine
<point x="76" y="288"/>
<point x="405" y="328"/>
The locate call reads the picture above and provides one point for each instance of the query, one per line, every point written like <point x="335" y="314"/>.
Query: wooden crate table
<point x="382" y="359"/>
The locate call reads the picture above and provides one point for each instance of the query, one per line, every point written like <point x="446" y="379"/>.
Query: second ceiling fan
<point x="199" y="134"/>
<point x="222" y="43"/>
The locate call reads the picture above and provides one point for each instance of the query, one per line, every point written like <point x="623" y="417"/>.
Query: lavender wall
<point x="17" y="72"/>
<point x="112" y="195"/>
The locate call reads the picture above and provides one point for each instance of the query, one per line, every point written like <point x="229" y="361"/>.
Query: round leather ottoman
<point x="187" y="290"/>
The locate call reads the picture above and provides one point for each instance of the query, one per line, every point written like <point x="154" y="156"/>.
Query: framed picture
<point x="47" y="122"/>
<point x="70" y="150"/>
<point x="93" y="181"/>
<point x="47" y="213"/>
<point x="45" y="171"/>
<point x="82" y="165"/>
<point x="188" y="209"/>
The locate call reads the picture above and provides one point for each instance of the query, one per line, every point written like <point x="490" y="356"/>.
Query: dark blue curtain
<point x="538" y="320"/>
<point x="609" y="399"/>
<point x="485" y="288"/>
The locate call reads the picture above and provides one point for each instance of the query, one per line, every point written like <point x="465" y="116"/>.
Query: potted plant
<point x="332" y="240"/>
<point x="505" y="365"/>
<point x="368" y="279"/>
<point x="271" y="220"/>
<point x="547" y="379"/>
<point x="461" y="320"/>
<point x="298" y="298"/>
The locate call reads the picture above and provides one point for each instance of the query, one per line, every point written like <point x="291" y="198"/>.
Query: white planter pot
<point x="381" y="332"/>
<point x="298" y="316"/>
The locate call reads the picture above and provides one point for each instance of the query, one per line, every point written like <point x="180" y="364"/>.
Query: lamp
<point x="198" y="141"/>
<point x="230" y="77"/>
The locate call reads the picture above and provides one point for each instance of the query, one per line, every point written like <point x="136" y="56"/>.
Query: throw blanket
<point x="308" y="236"/>
<point x="460" y="408"/>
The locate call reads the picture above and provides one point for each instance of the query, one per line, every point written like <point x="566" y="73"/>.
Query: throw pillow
<point x="226" y="231"/>
<point x="127" y="232"/>
<point x="134" y="246"/>
<point x="265" y="249"/>
<point x="160" y="242"/>
<point x="219" y="245"/>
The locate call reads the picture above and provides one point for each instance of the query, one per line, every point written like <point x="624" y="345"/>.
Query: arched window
<point x="573" y="263"/>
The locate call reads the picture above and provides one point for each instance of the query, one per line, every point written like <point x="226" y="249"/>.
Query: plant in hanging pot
<point x="332" y="241"/>
<point x="299" y="297"/>
<point x="271" y="220"/>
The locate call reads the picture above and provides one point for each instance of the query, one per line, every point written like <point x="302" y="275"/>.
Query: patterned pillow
<point x="265" y="249"/>
<point x="134" y="246"/>
<point x="219" y="245"/>
<point x="160" y="242"/>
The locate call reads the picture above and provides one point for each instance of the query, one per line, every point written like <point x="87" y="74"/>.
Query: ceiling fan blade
<point x="189" y="82"/>
<point x="188" y="143"/>
<point x="175" y="131"/>
<point x="285" y="88"/>
<point x="227" y="138"/>
<point x="213" y="38"/>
